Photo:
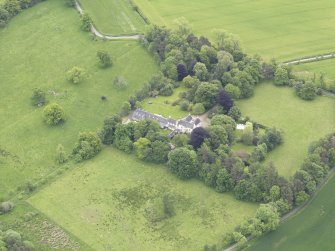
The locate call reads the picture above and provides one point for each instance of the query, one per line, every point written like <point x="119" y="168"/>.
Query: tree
<point x="198" y="109"/>
<point x="207" y="94"/>
<point x="180" y="140"/>
<point x="88" y="146"/>
<point x="233" y="91"/>
<point x="259" y="153"/>
<point x="183" y="162"/>
<point x="76" y="75"/>
<point x="12" y="7"/>
<point x="182" y="71"/>
<point x="248" y="134"/>
<point x="61" y="157"/>
<point x="281" y="76"/>
<point x="200" y="71"/>
<point x="190" y="82"/>
<point x="107" y="132"/>
<point x="225" y="100"/>
<point x="198" y="135"/>
<point x="158" y="152"/>
<point x="268" y="216"/>
<point x="53" y="114"/>
<point x="125" y="109"/>
<point x="274" y="193"/>
<point x="183" y="27"/>
<point x="86" y="22"/>
<point x="306" y="91"/>
<point x="224" y="183"/>
<point x="217" y="136"/>
<point x="272" y="137"/>
<point x="38" y="97"/>
<point x="141" y="147"/>
<point x="235" y="113"/>
<point x="184" y="105"/>
<point x="104" y="59"/>
<point x="4" y="16"/>
<point x="6" y="207"/>
<point x="122" y="137"/>
<point x="223" y="120"/>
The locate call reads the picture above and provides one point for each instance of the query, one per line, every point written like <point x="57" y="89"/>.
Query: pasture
<point x="106" y="202"/>
<point x="325" y="66"/>
<point x="37" y="48"/>
<point x="301" y="122"/>
<point x="115" y="17"/>
<point x="310" y="230"/>
<point x="281" y="29"/>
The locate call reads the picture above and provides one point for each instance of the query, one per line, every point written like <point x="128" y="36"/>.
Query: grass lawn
<point x="164" y="105"/>
<point x="114" y="17"/>
<point x="104" y="202"/>
<point x="325" y="66"/>
<point x="282" y="29"/>
<point x="302" y="122"/>
<point x="312" y="229"/>
<point x="37" y="48"/>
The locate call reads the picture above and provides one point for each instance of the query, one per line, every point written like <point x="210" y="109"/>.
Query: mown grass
<point x="114" y="17"/>
<point x="104" y="202"/>
<point x="301" y="122"/>
<point x="282" y="29"/>
<point x="165" y="106"/>
<point x="310" y="230"/>
<point x="37" y="48"/>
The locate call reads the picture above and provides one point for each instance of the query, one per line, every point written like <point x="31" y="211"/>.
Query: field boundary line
<point x="99" y="34"/>
<point x="310" y="59"/>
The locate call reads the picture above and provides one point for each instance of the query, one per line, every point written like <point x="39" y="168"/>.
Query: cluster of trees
<point x="10" y="8"/>
<point x="53" y="114"/>
<point x="207" y="70"/>
<point x="12" y="240"/>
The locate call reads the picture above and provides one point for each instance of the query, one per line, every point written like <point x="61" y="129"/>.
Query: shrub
<point x="53" y="114"/>
<point x="70" y="3"/>
<point x="86" y="22"/>
<point x="6" y="207"/>
<point x="104" y="58"/>
<point x="120" y="82"/>
<point x="281" y="76"/>
<point x="75" y="75"/>
<point x="38" y="97"/>
<point x="307" y="91"/>
<point x="87" y="147"/>
<point x="235" y="113"/>
<point x="184" y="105"/>
<point x="198" y="109"/>
<point x="183" y="162"/>
<point x="248" y="134"/>
<point x="61" y="157"/>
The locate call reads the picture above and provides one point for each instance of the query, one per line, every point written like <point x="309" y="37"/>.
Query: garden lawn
<point x="281" y="29"/>
<point x="115" y="17"/>
<point x="37" y="48"/>
<point x="312" y="229"/>
<point x="105" y="202"/>
<point x="165" y="105"/>
<point x="301" y="122"/>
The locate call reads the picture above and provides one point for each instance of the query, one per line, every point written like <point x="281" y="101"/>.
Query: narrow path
<point x="310" y="59"/>
<point x="108" y="37"/>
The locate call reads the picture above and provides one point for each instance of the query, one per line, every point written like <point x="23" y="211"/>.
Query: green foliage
<point x="70" y="3"/>
<point x="88" y="146"/>
<point x="183" y="162"/>
<point x="104" y="59"/>
<point x="306" y="91"/>
<point x="233" y="90"/>
<point x="125" y="109"/>
<point x="248" y="134"/>
<point x="217" y="136"/>
<point x="207" y="94"/>
<point x="180" y="140"/>
<point x="38" y="98"/>
<point x="12" y="7"/>
<point x="224" y="183"/>
<point x="141" y="146"/>
<point x="6" y="207"/>
<point x="76" y="75"/>
<point x="272" y="138"/>
<point x="86" y="22"/>
<point x="268" y="216"/>
<point x="191" y="82"/>
<point x="259" y="152"/>
<point x="61" y="156"/>
<point x="281" y="76"/>
<point x="198" y="109"/>
<point x="120" y="82"/>
<point x="201" y="71"/>
<point x="122" y="137"/>
<point x="53" y="114"/>
<point x="107" y="132"/>
<point x="235" y="113"/>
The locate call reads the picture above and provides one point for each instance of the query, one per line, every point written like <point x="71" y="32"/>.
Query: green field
<point x="104" y="201"/>
<point x="282" y="29"/>
<point x="37" y="48"/>
<point x="115" y="17"/>
<point x="312" y="229"/>
<point x="325" y="66"/>
<point x="302" y="122"/>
